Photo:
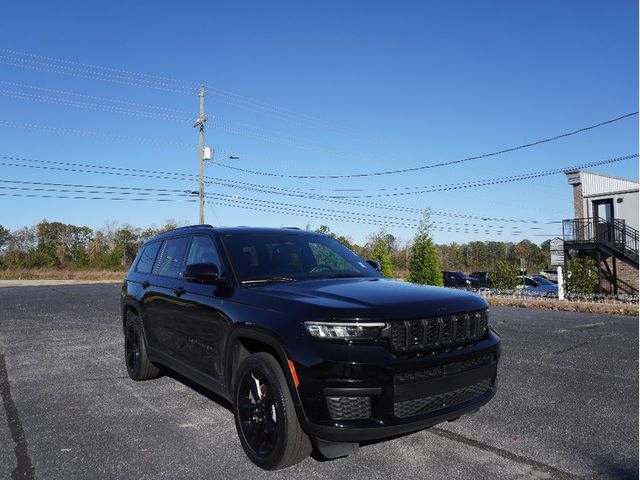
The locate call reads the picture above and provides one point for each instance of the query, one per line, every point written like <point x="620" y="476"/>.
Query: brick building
<point x="605" y="228"/>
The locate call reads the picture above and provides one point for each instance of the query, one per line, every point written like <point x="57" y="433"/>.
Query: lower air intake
<point x="349" y="408"/>
<point x="420" y="406"/>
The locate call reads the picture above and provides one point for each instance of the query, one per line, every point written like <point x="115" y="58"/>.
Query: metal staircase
<point x="613" y="238"/>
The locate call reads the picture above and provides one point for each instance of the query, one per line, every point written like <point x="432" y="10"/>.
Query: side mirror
<point x="375" y="264"/>
<point x="203" y="273"/>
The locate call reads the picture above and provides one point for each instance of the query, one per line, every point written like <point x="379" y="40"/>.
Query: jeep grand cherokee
<point x="310" y="344"/>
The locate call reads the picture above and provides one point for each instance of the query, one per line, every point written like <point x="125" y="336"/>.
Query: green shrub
<point x="581" y="277"/>
<point x="505" y="276"/>
<point x="423" y="264"/>
<point x="380" y="252"/>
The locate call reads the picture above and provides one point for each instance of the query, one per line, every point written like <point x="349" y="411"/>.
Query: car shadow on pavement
<point x="317" y="456"/>
<point x="198" y="388"/>
<point x="609" y="468"/>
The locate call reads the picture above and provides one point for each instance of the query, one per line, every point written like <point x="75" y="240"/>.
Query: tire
<point x="268" y="425"/>
<point x="139" y="367"/>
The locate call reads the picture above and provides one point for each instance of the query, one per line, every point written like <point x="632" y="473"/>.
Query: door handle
<point x="179" y="291"/>
<point x="145" y="284"/>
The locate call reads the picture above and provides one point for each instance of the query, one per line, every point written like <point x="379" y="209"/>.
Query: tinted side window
<point x="148" y="257"/>
<point x="171" y="258"/>
<point x="203" y="250"/>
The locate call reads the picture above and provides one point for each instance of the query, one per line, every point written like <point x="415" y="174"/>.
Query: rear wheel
<point x="265" y="417"/>
<point x="139" y="367"/>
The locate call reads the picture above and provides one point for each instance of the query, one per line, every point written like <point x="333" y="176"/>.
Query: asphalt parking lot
<point x="567" y="404"/>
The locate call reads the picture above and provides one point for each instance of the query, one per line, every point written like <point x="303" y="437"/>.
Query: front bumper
<point x="385" y="395"/>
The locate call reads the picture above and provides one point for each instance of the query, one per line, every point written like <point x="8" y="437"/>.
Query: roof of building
<point x="599" y="184"/>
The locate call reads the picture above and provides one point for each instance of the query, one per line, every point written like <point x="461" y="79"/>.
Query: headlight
<point x="346" y="330"/>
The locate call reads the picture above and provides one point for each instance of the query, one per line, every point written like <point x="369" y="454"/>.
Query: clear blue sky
<point x="375" y="86"/>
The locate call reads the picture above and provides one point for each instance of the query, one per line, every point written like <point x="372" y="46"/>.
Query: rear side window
<point x="171" y="257"/>
<point x="148" y="257"/>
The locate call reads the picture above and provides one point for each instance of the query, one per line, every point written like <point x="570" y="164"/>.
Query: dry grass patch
<point x="565" y="306"/>
<point x="58" y="274"/>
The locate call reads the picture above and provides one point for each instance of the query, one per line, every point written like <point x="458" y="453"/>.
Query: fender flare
<point x="270" y="339"/>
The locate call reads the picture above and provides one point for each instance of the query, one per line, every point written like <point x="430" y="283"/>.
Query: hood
<point x="366" y="298"/>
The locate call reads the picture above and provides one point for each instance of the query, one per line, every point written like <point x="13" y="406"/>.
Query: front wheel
<point x="265" y="417"/>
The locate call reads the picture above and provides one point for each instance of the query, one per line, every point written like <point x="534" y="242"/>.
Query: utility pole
<point x="200" y="124"/>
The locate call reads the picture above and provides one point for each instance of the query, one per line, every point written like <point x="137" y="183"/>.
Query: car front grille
<point x="421" y="406"/>
<point x="411" y="335"/>
<point x="349" y="408"/>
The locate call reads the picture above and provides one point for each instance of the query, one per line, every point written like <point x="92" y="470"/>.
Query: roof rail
<point x="206" y="225"/>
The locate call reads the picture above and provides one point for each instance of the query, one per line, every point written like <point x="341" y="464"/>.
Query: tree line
<point x="67" y="246"/>
<point x="476" y="256"/>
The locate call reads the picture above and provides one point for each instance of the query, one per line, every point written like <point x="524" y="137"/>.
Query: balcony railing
<point x="615" y="234"/>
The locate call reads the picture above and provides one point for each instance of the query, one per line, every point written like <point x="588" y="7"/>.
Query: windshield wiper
<point x="345" y="275"/>
<point x="268" y="280"/>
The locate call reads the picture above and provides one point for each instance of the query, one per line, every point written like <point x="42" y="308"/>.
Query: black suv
<point x="457" y="280"/>
<point x="309" y="343"/>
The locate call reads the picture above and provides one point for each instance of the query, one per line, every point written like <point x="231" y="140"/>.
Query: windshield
<point x="260" y="258"/>
<point x="543" y="281"/>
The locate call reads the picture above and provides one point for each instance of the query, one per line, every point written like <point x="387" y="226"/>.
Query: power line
<point x="237" y="205"/>
<point x="64" y="169"/>
<point x="122" y="74"/>
<point x="226" y="128"/>
<point x="28" y="185"/>
<point x="227" y="200"/>
<point x="218" y="122"/>
<point x="129" y="77"/>
<point x="85" y="197"/>
<point x="440" y="164"/>
<point x="135" y="190"/>
<point x="97" y="67"/>
<point x="127" y="171"/>
<point x="94" y="134"/>
<point x="91" y="106"/>
<point x="107" y="76"/>
<point x="234" y="200"/>
<point x="182" y="177"/>
<point x="93" y="97"/>
<point x="498" y="180"/>
<point x="350" y="219"/>
<point x="43" y="67"/>
<point x="331" y="211"/>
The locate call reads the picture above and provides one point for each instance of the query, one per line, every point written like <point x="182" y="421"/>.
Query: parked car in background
<point x="549" y="274"/>
<point x="457" y="280"/>
<point x="480" y="279"/>
<point x="539" y="286"/>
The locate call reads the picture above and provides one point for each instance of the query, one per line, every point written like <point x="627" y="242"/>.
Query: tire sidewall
<point x="132" y="322"/>
<point x="261" y="365"/>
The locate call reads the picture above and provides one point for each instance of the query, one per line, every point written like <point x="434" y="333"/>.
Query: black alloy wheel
<point x="132" y="348"/>
<point x="258" y="414"/>
<point x="266" y="419"/>
<point x="139" y="366"/>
